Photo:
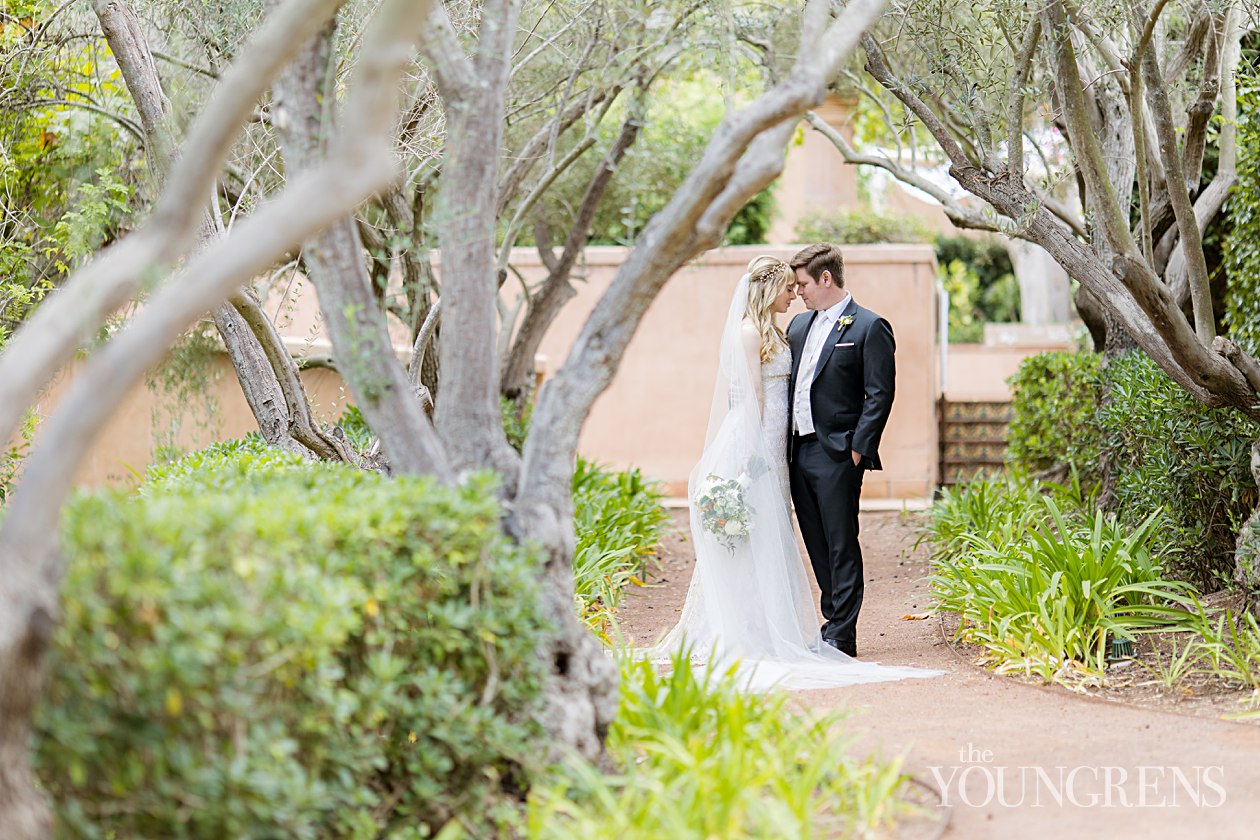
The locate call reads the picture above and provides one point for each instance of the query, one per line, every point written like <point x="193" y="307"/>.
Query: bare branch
<point x="71" y="315"/>
<point x="1200" y="112"/>
<point x="1178" y="195"/>
<point x="557" y="289"/>
<point x="1015" y="111"/>
<point x="451" y="65"/>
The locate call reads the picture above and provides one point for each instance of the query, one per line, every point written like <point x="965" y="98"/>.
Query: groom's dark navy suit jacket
<point x="852" y="393"/>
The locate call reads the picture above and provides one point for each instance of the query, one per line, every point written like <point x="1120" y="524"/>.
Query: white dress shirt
<point x="819" y="331"/>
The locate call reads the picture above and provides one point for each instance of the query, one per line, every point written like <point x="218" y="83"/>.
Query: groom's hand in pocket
<point x="857" y="458"/>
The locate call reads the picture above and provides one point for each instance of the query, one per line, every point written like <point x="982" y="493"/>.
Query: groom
<point x="841" y="392"/>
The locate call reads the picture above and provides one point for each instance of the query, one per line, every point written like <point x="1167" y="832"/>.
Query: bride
<point x="749" y="605"/>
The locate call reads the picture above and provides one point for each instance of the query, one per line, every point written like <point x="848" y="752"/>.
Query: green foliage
<point x="67" y="174"/>
<point x="1041" y="590"/>
<point x="1229" y="648"/>
<point x="980" y="280"/>
<point x="15" y="456"/>
<point x="1055" y="400"/>
<point x="859" y="226"/>
<point x="259" y="646"/>
<point x="1242" y="247"/>
<point x="516" y="419"/>
<point x="681" y="116"/>
<point x="697" y="758"/>
<point x="966" y="325"/>
<point x="358" y="433"/>
<point x="751" y="224"/>
<point x="1168" y="451"/>
<point x="1155" y="446"/>
<point x="619" y="522"/>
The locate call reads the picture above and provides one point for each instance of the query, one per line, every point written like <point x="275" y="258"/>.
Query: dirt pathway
<point x="1014" y="760"/>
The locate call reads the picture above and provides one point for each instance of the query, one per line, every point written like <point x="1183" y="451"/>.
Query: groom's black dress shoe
<point x="849" y="648"/>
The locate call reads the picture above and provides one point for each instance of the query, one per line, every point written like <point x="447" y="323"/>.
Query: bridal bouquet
<point x="724" y="510"/>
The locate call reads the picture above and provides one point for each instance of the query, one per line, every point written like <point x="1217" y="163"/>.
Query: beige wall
<point x="815" y="176"/>
<point x="654" y="414"/>
<point x="216" y="411"/>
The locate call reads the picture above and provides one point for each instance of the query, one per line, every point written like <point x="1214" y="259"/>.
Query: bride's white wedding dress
<point x="749" y="604"/>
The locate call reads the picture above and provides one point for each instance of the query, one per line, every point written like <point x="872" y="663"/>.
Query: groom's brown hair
<point x="819" y="258"/>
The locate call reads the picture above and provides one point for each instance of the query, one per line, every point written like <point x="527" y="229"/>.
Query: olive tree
<point x="1105" y="133"/>
<point x="183" y="271"/>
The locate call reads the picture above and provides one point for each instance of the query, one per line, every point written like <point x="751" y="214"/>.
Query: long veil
<point x="749" y="604"/>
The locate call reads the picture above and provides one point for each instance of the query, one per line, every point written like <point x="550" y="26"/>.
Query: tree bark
<point x="71" y="316"/>
<point x="335" y="261"/>
<point x="469" y="415"/>
<point x="258" y="383"/>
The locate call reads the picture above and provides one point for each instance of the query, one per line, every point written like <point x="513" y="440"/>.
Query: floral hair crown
<point x="766" y="271"/>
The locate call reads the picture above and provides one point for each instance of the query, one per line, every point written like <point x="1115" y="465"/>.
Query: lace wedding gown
<point x="749" y="605"/>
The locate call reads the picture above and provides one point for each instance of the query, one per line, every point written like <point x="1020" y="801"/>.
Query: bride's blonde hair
<point x="767" y="278"/>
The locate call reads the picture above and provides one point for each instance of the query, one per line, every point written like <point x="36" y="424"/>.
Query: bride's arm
<point x="751" y="341"/>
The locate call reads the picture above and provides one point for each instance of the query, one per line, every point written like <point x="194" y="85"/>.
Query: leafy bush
<point x="860" y="226"/>
<point x="619" y="522"/>
<point x="1054" y="403"/>
<point x="1041" y="590"/>
<point x="1168" y="451"/>
<point x="980" y="280"/>
<point x="1156" y="448"/>
<point x="697" y="758"/>
<point x="259" y="646"/>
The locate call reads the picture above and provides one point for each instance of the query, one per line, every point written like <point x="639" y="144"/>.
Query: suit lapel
<point x="798" y="345"/>
<point x="829" y="344"/>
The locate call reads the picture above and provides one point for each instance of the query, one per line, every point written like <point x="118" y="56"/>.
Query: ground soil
<point x="1130" y="758"/>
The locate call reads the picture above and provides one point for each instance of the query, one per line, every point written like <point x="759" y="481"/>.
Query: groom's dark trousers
<point x="851" y="396"/>
<point x="825" y="493"/>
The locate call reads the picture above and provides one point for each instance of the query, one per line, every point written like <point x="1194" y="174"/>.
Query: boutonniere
<point x="843" y="321"/>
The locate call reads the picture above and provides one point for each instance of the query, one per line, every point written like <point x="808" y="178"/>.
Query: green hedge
<point x="1055" y="400"/>
<point x="1130" y="431"/>
<point x="1169" y="451"/>
<point x="257" y="646"/>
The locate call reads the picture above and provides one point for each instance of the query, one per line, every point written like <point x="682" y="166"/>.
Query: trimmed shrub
<point x="259" y="646"/>
<point x="860" y="227"/>
<point x="1056" y="398"/>
<point x="1155" y="447"/>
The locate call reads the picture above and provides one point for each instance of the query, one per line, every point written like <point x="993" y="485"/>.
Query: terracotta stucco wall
<point x="654" y="414"/>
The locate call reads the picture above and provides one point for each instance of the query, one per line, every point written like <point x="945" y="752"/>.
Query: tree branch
<point x="71" y="315"/>
<point x="557" y="289"/>
<point x="1191" y="239"/>
<point x="741" y="158"/>
<point x="1015" y="111"/>
<point x="1085" y="146"/>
